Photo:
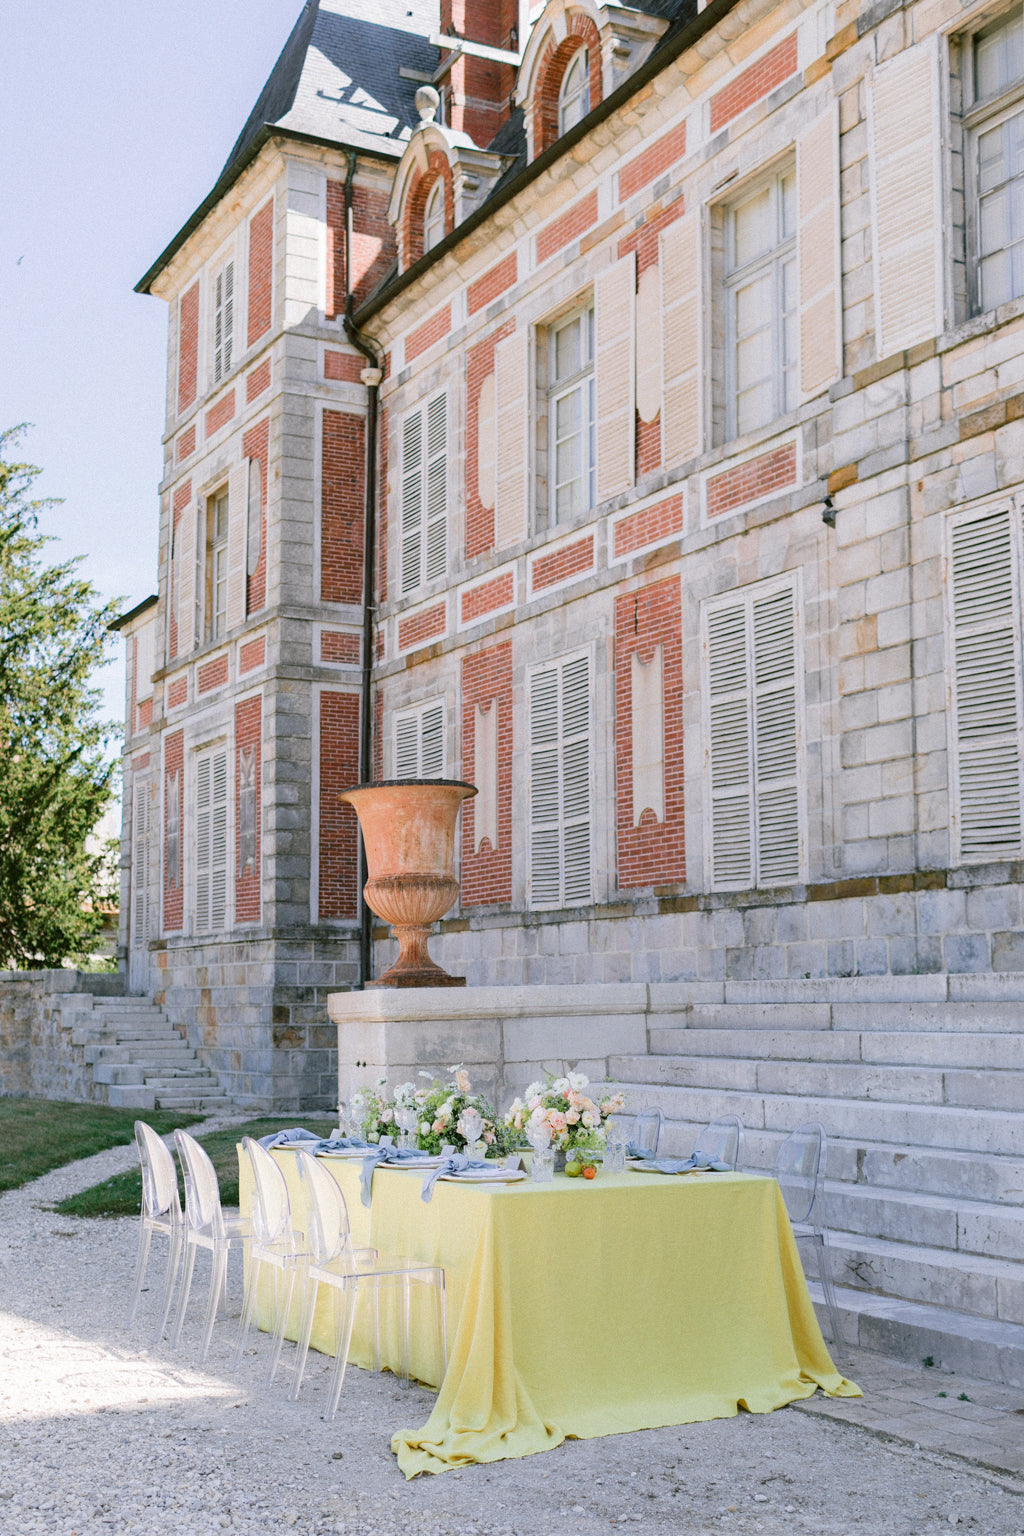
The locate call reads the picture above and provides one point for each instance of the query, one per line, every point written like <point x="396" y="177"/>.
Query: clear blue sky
<point x="115" y="118"/>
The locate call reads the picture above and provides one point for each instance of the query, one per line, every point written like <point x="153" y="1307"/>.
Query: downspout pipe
<point x="371" y="376"/>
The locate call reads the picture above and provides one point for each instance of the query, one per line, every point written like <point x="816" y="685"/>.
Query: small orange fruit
<point x="590" y="1172"/>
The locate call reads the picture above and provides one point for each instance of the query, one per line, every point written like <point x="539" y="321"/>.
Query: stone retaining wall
<point x="37" y="1058"/>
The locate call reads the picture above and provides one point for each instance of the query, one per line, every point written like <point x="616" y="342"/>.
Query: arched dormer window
<point x="433" y="217"/>
<point x="574" y="95"/>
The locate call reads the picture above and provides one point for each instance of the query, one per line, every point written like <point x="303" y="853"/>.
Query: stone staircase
<point x="138" y="1058"/>
<point x="922" y="1096"/>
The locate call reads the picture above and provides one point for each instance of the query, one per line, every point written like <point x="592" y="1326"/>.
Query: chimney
<point x="478" y="91"/>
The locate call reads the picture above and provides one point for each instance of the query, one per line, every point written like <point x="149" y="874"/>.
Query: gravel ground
<point x="100" y="1435"/>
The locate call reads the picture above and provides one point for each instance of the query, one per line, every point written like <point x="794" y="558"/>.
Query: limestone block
<point x="966" y="952"/>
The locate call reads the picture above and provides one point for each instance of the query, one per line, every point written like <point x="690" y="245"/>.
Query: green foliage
<point x="56" y="774"/>
<point x="37" y="1135"/>
<point x="122" y="1195"/>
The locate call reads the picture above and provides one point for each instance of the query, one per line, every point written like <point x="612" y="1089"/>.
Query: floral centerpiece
<point x="440" y="1107"/>
<point x="576" y="1121"/>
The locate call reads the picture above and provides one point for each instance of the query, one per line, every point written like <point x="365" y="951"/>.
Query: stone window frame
<point x="551" y="71"/>
<point x="215" y="563"/>
<point x="414" y="213"/>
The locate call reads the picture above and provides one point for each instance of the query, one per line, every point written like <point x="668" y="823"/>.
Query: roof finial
<point x="427" y="102"/>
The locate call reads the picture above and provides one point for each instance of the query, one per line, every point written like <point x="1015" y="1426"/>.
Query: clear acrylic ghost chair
<point x="722" y="1139"/>
<point x="800" y="1173"/>
<point x="206" y="1226"/>
<point x="647" y="1129"/>
<point x="348" y="1271"/>
<point x="161" y="1212"/>
<point x="275" y="1246"/>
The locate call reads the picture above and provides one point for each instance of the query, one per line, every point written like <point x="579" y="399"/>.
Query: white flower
<point x="424" y="1127"/>
<point x="533" y="1092"/>
<point x="578" y="1080"/>
<point x="560" y="1086"/>
<point x="591" y="1119"/>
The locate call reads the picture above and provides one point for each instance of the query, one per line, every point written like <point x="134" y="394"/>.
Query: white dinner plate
<point x="479" y="1176"/>
<point x="347" y="1152"/>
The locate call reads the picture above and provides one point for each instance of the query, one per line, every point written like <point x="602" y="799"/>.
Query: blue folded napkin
<point x="698" y="1162"/>
<point x="458" y="1162"/>
<point x="632" y="1150"/>
<point x="296" y="1136"/>
<point x="384" y="1152"/>
<point x="342" y="1143"/>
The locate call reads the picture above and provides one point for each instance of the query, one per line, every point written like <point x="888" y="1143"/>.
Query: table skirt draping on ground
<point x="579" y="1310"/>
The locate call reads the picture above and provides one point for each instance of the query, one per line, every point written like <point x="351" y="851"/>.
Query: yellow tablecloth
<point x="584" y="1309"/>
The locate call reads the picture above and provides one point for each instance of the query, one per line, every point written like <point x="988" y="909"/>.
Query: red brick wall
<point x="416" y="204"/>
<point x="750" y="481"/>
<point x="252" y="654"/>
<point x="377" y="746"/>
<point x="340" y="646"/>
<point x="754" y="83"/>
<point x="256" y="445"/>
<point x="342" y="510"/>
<point x="140" y="763"/>
<point x="421" y="627"/>
<point x="644" y="241"/>
<point x="174" y="762"/>
<point x="381" y="571"/>
<point x="426" y="334"/>
<point x="220" y="414"/>
<point x="648" y="527"/>
<point x="653" y="853"/>
<point x="248" y="738"/>
<point x="335" y="248"/>
<point x="493" y="283"/>
<point x="213" y="675"/>
<point x="652" y="162"/>
<point x="562" y="563"/>
<point x="373" y="243"/>
<point x="346" y="366"/>
<point x="261" y="271"/>
<point x="186" y="444"/>
<point x="571" y="224"/>
<point x="487" y="598"/>
<point x="257" y="382"/>
<point x="339" y="769"/>
<point x="486" y="676"/>
<point x="177" y="693"/>
<point x="182" y="500"/>
<point x="551" y="72"/>
<point x="145" y="715"/>
<point x="188" y="347"/>
<point x="479" y="519"/>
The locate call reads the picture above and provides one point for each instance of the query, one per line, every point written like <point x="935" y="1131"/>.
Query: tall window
<point x="216" y="597"/>
<point x="419" y="742"/>
<point x="223" y="320"/>
<point x="572" y="456"/>
<point x="560" y="784"/>
<point x="211" y="856"/>
<point x="433" y="217"/>
<point x="574" y="96"/>
<point x="995" y="129"/>
<point x="425" y="494"/>
<point x="761" y="306"/>
<point x="752" y="725"/>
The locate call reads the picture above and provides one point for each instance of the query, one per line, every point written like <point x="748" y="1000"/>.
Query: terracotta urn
<point x="408" y="828"/>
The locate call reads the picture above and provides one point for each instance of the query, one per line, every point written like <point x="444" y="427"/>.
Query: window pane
<point x="788" y="209"/>
<point x="753" y="228"/>
<point x="754" y="407"/>
<point x="995" y="280"/>
<point x="567" y="354"/>
<point x="995" y="223"/>
<point x="999" y="57"/>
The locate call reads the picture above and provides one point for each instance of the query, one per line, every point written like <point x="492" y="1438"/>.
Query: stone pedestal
<point x="504" y="1036"/>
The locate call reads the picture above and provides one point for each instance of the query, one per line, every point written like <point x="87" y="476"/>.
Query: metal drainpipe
<point x="371" y="377"/>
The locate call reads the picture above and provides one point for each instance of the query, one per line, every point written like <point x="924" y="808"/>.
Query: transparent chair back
<point x="202" y="1192"/>
<point x="274" y="1245"/>
<point x="271" y="1210"/>
<point x="799" y="1170"/>
<point x="205" y="1227"/>
<point x="647" y="1128"/>
<point x="161" y="1213"/>
<point x="722" y="1140"/>
<point x="328" y="1231"/>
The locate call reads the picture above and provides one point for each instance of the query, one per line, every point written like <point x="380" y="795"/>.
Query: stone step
<point x="201" y="1103"/>
<point x="910" y="1125"/>
<point x="899" y="1047"/>
<point x="935" y="1221"/>
<point x="984" y="1089"/>
<point x="131" y="1096"/>
<point x="197" y="1081"/>
<point x="994" y="1017"/>
<point x="990" y="1348"/>
<point x="971" y="1283"/>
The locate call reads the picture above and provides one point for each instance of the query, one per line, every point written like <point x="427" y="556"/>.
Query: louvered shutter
<point x="513" y="458"/>
<point x="436" y="561"/>
<point x="681" y="424"/>
<point x="140" y="863"/>
<point x="486" y="442"/>
<point x="904" y="107"/>
<point x="817" y="170"/>
<point x="649" y="383"/>
<point x="238" y="532"/>
<point x="986" y="687"/>
<point x="560" y="784"/>
<point x="432" y="742"/>
<point x="223" y="321"/>
<point x="211" y="841"/>
<point x="407" y="747"/>
<point x="412" y="500"/>
<point x="753" y="742"/>
<point x="614" y="375"/>
<point x="186" y="584"/>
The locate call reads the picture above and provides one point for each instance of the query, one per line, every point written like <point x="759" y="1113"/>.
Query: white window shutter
<point x="203" y="843"/>
<point x="986" y="687"/>
<point x="219" y="842"/>
<point x="904" y="103"/>
<point x="649" y="382"/>
<point x="145" y="640"/>
<point x="419" y="743"/>
<point x="728" y="750"/>
<point x="817" y="170"/>
<point x="615" y="376"/>
<point x="486" y="442"/>
<point x="412" y="501"/>
<point x="513" y="458"/>
<point x="238" y="534"/>
<point x="776" y="738"/>
<point x="186" y="583"/>
<point x="432" y="742"/>
<point x="560" y="784"/>
<point x="407" y="747"/>
<point x="681" y="419"/>
<point x="140" y="862"/>
<point x="436" y="561"/>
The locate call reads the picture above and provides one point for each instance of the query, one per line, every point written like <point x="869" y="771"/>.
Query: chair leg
<point x="283" y="1293"/>
<point x="248" y="1309"/>
<point x="170" y="1279"/>
<point x="218" y="1274"/>
<point x="406" y="1300"/>
<point x="310" y="1292"/>
<point x="141" y="1255"/>
<point x="183" y="1292"/>
<point x="345" y="1306"/>
<point x="825" y="1269"/>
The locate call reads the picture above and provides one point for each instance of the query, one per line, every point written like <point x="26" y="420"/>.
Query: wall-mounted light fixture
<point x="828" y="512"/>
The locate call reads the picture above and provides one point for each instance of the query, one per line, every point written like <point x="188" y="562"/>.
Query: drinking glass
<point x="542" y="1165"/>
<point x="471" y="1125"/>
<point x="615" y="1152"/>
<point x="408" y="1120"/>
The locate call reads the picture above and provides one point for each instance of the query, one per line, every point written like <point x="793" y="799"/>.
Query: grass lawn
<point x="37" y="1135"/>
<point x="122" y="1195"/>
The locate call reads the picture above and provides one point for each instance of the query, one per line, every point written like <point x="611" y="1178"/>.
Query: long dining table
<point x="577" y="1309"/>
